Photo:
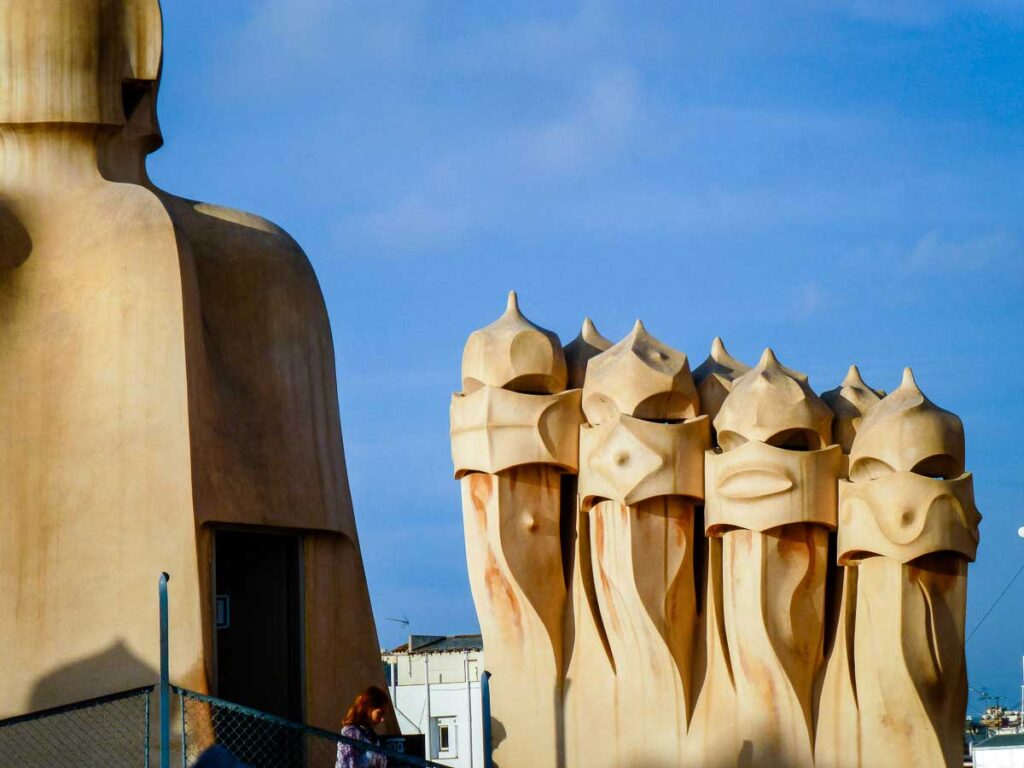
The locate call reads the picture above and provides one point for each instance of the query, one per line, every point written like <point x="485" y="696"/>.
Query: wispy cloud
<point x="938" y="253"/>
<point x="550" y="45"/>
<point x="473" y="182"/>
<point x="811" y="298"/>
<point x="591" y="132"/>
<point x="913" y="13"/>
<point x="413" y="222"/>
<point x="581" y="113"/>
<point x="916" y="13"/>
<point x="283" y="42"/>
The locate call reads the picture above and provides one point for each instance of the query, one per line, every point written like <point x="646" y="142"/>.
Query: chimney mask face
<point x="908" y="495"/>
<point x="494" y="430"/>
<point x="630" y="461"/>
<point x="67" y="61"/>
<point x="903" y="516"/>
<point x="906" y="432"/>
<point x="759" y="486"/>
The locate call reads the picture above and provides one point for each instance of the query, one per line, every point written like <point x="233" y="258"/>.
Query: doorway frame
<point x="299" y="535"/>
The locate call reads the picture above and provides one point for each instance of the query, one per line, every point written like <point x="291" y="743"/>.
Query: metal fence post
<point x="165" y="678"/>
<point x="485" y="705"/>
<point x="184" y="730"/>
<point x="149" y="695"/>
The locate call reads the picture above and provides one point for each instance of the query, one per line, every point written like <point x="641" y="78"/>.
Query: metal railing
<point x="261" y="740"/>
<point x="149" y="725"/>
<point x="108" y="731"/>
<point x="118" y="731"/>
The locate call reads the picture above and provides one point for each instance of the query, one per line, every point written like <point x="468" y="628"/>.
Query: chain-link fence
<point x="264" y="741"/>
<point x="119" y="731"/>
<point x="106" y="732"/>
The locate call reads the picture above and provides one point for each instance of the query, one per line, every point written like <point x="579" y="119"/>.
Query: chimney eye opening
<point x="796" y="440"/>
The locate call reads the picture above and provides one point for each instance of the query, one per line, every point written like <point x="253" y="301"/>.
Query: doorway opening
<point x="257" y="598"/>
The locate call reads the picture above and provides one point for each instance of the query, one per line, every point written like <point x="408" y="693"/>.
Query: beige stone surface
<point x="643" y="572"/>
<point x="907" y="432"/>
<point x="640" y="478"/>
<point x="166" y="366"/>
<point x="759" y="487"/>
<point x="708" y="742"/>
<point x="908" y="526"/>
<point x="589" y="732"/>
<point x="904" y="516"/>
<point x="775" y="405"/>
<point x="909" y="667"/>
<point x="772" y="499"/>
<point x="715" y="377"/>
<point x="513" y="549"/>
<point x="630" y="460"/>
<point x="640" y="377"/>
<point x="512" y="353"/>
<point x="837" y="735"/>
<point x="527" y="432"/>
<point x="850" y="403"/>
<point x="494" y="429"/>
<point x="588" y="344"/>
<point x="817" y="621"/>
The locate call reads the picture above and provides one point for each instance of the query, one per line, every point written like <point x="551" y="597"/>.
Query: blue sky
<point x="839" y="180"/>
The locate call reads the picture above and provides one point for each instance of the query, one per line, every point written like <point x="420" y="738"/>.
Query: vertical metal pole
<point x="165" y="678"/>
<point x="469" y="709"/>
<point x="430" y="725"/>
<point x="485" y="696"/>
<point x="394" y="691"/>
<point x="184" y="733"/>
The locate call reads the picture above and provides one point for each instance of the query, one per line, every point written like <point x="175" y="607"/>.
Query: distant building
<point x="435" y="685"/>
<point x="1005" y="750"/>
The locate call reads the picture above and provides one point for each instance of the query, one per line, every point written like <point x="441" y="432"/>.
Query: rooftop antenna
<point x="404" y="621"/>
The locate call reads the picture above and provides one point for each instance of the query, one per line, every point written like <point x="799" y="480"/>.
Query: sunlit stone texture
<point x="785" y="589"/>
<point x="589" y="732"/>
<point x="908" y="526"/>
<point x="773" y="504"/>
<point x="166" y="370"/>
<point x="641" y="473"/>
<point x="515" y="431"/>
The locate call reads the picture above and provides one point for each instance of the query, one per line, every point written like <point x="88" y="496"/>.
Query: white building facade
<point x="435" y="686"/>
<point x="1001" y="751"/>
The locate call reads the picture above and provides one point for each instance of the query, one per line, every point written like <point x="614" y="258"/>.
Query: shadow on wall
<point x="747" y="754"/>
<point x="110" y="734"/>
<point x="498" y="733"/>
<point x="15" y="242"/>
<point x="111" y="671"/>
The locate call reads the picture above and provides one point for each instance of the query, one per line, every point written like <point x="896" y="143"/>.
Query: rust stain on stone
<point x="500" y="593"/>
<point x="481" y="487"/>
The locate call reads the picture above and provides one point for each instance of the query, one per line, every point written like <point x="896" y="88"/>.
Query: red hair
<point x="370" y="699"/>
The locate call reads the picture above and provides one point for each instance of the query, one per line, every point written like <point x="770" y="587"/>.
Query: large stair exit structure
<point x="168" y="403"/>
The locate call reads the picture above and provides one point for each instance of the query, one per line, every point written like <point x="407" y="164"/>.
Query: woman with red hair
<point x="368" y="711"/>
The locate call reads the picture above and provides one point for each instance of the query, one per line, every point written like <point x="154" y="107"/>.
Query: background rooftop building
<point x="1001" y="751"/>
<point x="435" y="685"/>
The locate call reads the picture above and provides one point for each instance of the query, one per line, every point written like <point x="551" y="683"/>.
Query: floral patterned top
<point x="353" y="757"/>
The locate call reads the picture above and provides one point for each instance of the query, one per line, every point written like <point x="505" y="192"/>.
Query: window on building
<point x="446" y="743"/>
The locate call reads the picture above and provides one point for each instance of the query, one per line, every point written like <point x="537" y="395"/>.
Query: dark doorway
<point x="259" y="620"/>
